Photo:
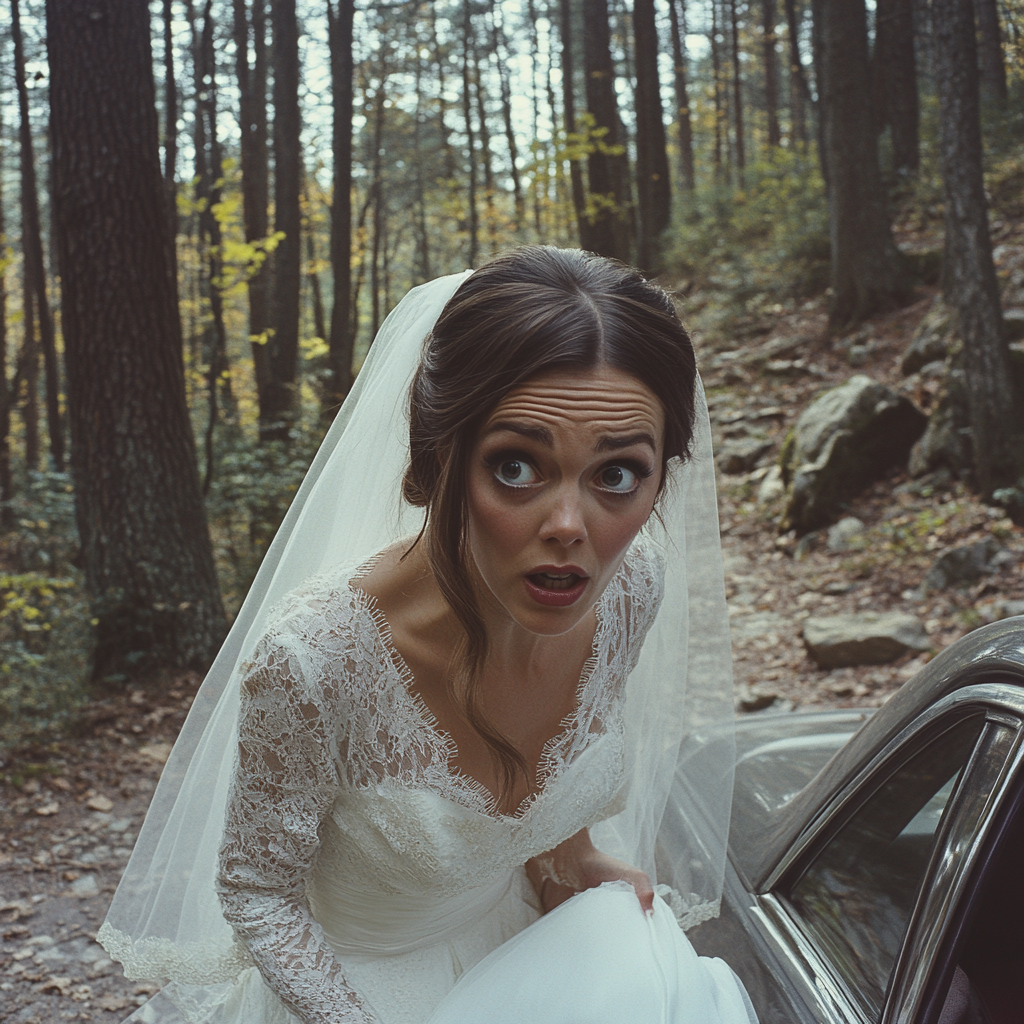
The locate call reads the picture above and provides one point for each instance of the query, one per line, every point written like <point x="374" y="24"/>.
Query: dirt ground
<point x="70" y="811"/>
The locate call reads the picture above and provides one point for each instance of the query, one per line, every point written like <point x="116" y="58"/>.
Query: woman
<point x="444" y="726"/>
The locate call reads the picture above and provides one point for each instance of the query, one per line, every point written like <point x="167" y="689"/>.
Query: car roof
<point x="994" y="653"/>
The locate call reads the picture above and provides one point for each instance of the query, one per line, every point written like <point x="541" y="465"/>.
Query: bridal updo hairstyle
<point x="526" y="312"/>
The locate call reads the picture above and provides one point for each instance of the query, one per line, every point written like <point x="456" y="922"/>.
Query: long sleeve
<point x="286" y="781"/>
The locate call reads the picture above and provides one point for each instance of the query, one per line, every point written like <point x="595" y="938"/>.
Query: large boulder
<point x="946" y="442"/>
<point x="870" y="638"/>
<point x="846" y="439"/>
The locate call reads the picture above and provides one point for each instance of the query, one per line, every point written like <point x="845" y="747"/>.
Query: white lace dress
<point x="364" y="874"/>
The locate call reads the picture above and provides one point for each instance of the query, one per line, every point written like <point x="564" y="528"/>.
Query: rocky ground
<point x="69" y="812"/>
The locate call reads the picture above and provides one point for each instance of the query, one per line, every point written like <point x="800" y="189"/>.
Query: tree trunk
<point x="491" y="214"/>
<point x="7" y="389"/>
<point x="342" y="339"/>
<point x="32" y="252"/>
<point x="769" y="16"/>
<point x="609" y="233"/>
<point x="716" y="86"/>
<point x="654" y="196"/>
<point x="818" y="55"/>
<point x="799" y="91"/>
<point x="313" y="276"/>
<point x="252" y="109"/>
<point x="867" y="270"/>
<point x="990" y="44"/>
<point x="145" y="545"/>
<point x="538" y="185"/>
<point x="970" y="278"/>
<point x="737" y="91"/>
<point x="894" y="74"/>
<point x="579" y="199"/>
<point x="170" y="122"/>
<point x="422" y="232"/>
<point x="684" y="127"/>
<point x="379" y="202"/>
<point x="467" y="113"/>
<point x="499" y="45"/>
<point x="442" y="105"/>
<point x="283" y="344"/>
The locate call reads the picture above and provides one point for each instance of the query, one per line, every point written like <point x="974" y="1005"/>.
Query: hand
<point x="576" y="865"/>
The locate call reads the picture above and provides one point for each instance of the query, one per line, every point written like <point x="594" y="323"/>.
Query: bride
<point x="465" y="756"/>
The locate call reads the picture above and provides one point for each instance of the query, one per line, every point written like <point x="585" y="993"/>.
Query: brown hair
<point x="523" y="313"/>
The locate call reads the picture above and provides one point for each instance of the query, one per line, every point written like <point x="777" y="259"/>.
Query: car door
<point x="859" y="911"/>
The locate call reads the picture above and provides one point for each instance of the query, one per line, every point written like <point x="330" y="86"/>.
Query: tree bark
<point x="799" y="91"/>
<point x="145" y="545"/>
<point x="252" y="116"/>
<point x="8" y="389"/>
<point x="716" y="86"/>
<point x="867" y="270"/>
<point x="422" y="233"/>
<point x="970" y="283"/>
<point x="769" y="17"/>
<point x="487" y="156"/>
<point x="499" y="45"/>
<point x="467" y="113"/>
<point x="32" y="252"/>
<point x="990" y="44"/>
<point x="609" y="233"/>
<point x="818" y="56"/>
<point x="684" y="126"/>
<point x="379" y="203"/>
<point x="579" y="199"/>
<point x="737" y="91"/>
<point x="283" y="344"/>
<point x="341" y="341"/>
<point x="654" y="195"/>
<point x="894" y="75"/>
<point x="170" y="122"/>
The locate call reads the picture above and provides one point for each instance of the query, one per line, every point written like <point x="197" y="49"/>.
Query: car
<point x="876" y="859"/>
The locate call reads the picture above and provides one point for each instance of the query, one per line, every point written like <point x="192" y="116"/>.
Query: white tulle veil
<point x="165" y="920"/>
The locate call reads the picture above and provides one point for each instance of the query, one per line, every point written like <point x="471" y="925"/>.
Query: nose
<point x="565" y="521"/>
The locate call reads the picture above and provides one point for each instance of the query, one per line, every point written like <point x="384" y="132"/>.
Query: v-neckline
<point x="547" y="768"/>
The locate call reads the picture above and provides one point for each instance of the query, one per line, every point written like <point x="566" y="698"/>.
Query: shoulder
<point x="642" y="578"/>
<point x="310" y="634"/>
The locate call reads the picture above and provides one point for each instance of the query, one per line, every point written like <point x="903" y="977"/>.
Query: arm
<point x="285" y="783"/>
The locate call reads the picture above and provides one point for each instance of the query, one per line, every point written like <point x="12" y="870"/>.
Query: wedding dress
<point x="358" y="872"/>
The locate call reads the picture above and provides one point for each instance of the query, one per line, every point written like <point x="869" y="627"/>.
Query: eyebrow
<point x="543" y="436"/>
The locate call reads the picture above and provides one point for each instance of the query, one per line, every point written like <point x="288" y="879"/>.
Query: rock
<point x="100" y="803"/>
<point x="158" y="752"/>
<point x="771" y="487"/>
<point x="960" y="567"/>
<point x="994" y="611"/>
<point x="754" y="699"/>
<point x="931" y="339"/>
<point x="847" y="438"/>
<point x="841" y="536"/>
<point x="741" y="455"/>
<point x="946" y="442"/>
<point x="84" y="888"/>
<point x="870" y="638"/>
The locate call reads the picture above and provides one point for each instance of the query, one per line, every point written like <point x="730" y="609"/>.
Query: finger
<point x="644" y="893"/>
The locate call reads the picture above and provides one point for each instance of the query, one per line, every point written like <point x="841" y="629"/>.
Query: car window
<point x="858" y="893"/>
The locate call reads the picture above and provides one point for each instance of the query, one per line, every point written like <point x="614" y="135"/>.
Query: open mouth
<point x="555" y="581"/>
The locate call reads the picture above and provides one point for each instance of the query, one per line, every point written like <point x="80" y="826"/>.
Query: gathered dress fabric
<point x="363" y="872"/>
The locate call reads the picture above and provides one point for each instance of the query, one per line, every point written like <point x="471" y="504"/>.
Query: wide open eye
<point x="618" y="479"/>
<point x="515" y="473"/>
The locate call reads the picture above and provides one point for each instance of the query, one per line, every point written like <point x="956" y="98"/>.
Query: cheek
<point x="612" y="531"/>
<point x="495" y="526"/>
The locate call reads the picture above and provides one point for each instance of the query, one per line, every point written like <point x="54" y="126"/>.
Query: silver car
<point x="876" y="870"/>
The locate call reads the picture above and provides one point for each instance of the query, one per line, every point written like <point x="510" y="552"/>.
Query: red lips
<point x="556" y="586"/>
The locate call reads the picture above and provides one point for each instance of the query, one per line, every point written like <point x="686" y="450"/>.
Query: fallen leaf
<point x="100" y="803"/>
<point x="61" y="784"/>
<point x="47" y="809"/>
<point x="60" y="985"/>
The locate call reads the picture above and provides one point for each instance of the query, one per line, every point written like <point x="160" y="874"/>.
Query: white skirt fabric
<point x="596" y="959"/>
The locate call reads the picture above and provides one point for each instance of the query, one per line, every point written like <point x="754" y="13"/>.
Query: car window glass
<point x="857" y="894"/>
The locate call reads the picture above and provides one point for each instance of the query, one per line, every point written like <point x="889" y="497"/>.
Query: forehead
<point x="600" y="399"/>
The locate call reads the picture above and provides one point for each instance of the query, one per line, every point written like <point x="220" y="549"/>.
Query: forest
<point x="209" y="206"/>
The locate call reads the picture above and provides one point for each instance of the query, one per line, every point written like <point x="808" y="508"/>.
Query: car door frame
<point x="985" y="783"/>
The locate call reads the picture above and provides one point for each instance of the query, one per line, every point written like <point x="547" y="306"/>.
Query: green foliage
<point x="768" y="238"/>
<point x="45" y="622"/>
<point x="250" y="493"/>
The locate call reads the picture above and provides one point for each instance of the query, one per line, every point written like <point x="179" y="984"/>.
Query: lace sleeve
<point x="285" y="782"/>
